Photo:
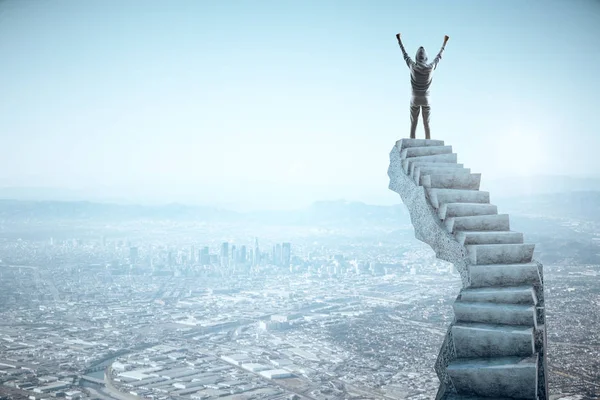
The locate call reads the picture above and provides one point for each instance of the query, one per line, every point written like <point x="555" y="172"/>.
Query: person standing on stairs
<point x="421" y="74"/>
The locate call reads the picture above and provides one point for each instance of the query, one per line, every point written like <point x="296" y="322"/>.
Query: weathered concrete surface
<point x="506" y="294"/>
<point x="496" y="346"/>
<point x="475" y="340"/>
<point x="496" y="377"/>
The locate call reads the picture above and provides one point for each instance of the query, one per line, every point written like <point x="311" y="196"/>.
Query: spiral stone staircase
<point x="496" y="345"/>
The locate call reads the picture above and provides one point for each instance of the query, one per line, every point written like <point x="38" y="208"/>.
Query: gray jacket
<point x="421" y="72"/>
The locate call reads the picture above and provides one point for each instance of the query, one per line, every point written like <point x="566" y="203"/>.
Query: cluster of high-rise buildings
<point x="228" y="255"/>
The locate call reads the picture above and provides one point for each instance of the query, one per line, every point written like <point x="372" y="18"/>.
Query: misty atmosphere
<point x="194" y="198"/>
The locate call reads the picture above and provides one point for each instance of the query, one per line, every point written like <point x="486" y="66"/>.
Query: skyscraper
<point x="286" y="254"/>
<point x="205" y="259"/>
<point x="224" y="254"/>
<point x="242" y="255"/>
<point x="256" y="259"/>
<point x="277" y="254"/>
<point x="192" y="255"/>
<point x="233" y="259"/>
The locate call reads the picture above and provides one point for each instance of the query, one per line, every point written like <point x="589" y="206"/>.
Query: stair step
<point x="524" y="294"/>
<point x="473" y="340"/>
<point x="495" y="222"/>
<point x="500" y="253"/>
<point x="424" y="151"/>
<point x="448" y="210"/>
<point x="454" y="396"/>
<point x="495" y="313"/>
<point x="404" y="143"/>
<point x="439" y="158"/>
<point x="425" y="168"/>
<point x="451" y="180"/>
<point x="513" y="377"/>
<point x="488" y="237"/>
<point x="441" y="196"/>
<point x="504" y="274"/>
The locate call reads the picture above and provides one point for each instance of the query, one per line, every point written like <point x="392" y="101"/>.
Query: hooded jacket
<point x="421" y="72"/>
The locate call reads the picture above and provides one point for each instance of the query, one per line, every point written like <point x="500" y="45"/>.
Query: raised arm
<point x="407" y="58"/>
<point x="437" y="58"/>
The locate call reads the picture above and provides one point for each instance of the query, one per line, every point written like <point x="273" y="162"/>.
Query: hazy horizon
<point x="272" y="104"/>
<point x="500" y="189"/>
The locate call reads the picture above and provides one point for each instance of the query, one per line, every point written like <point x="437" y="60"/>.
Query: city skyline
<point x="362" y="311"/>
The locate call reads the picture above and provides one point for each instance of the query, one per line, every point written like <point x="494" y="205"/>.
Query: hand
<point x="398" y="36"/>
<point x="446" y="37"/>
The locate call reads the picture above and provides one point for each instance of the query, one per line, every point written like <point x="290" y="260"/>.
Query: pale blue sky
<point x="279" y="103"/>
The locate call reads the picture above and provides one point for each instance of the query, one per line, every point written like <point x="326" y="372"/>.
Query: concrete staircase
<point x="496" y="346"/>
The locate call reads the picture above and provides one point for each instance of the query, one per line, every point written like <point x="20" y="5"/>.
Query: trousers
<point x="416" y="105"/>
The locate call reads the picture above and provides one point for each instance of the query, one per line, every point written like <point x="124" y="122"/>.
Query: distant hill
<point x="320" y="213"/>
<point x="336" y="213"/>
<point x="575" y="205"/>
<point x="45" y="210"/>
<point x="539" y="185"/>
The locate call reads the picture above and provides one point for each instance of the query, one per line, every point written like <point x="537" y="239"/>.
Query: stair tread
<point x="450" y="171"/>
<point x="501" y="244"/>
<point x="517" y="294"/>
<point x="405" y="143"/>
<point x="410" y="152"/>
<point x="486" y="232"/>
<point x="450" y="210"/>
<point x="454" y="396"/>
<point x="447" y="190"/>
<point x="451" y="180"/>
<point x="439" y="196"/>
<point x="432" y="157"/>
<point x="439" y="165"/>
<point x="490" y="222"/>
<point x="505" y="376"/>
<point x="502" y="275"/>
<point x="492" y="289"/>
<point x="491" y="306"/>
<point x="467" y="204"/>
<point x="494" y="327"/>
<point x="448" y="158"/>
<point x="467" y="238"/>
<point x="493" y="362"/>
<point x="527" y="264"/>
<point x="500" y="252"/>
<point x="484" y="216"/>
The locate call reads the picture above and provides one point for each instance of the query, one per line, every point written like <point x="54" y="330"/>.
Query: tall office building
<point x="205" y="258"/>
<point x="192" y="255"/>
<point x="286" y="254"/>
<point x="277" y="254"/>
<point x="242" y="256"/>
<point x="225" y="254"/>
<point x="256" y="259"/>
<point x="233" y="259"/>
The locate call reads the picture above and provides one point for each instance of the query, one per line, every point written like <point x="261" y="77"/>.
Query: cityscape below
<point x="339" y="301"/>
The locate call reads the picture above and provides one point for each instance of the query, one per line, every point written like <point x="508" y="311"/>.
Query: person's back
<point x="421" y="74"/>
